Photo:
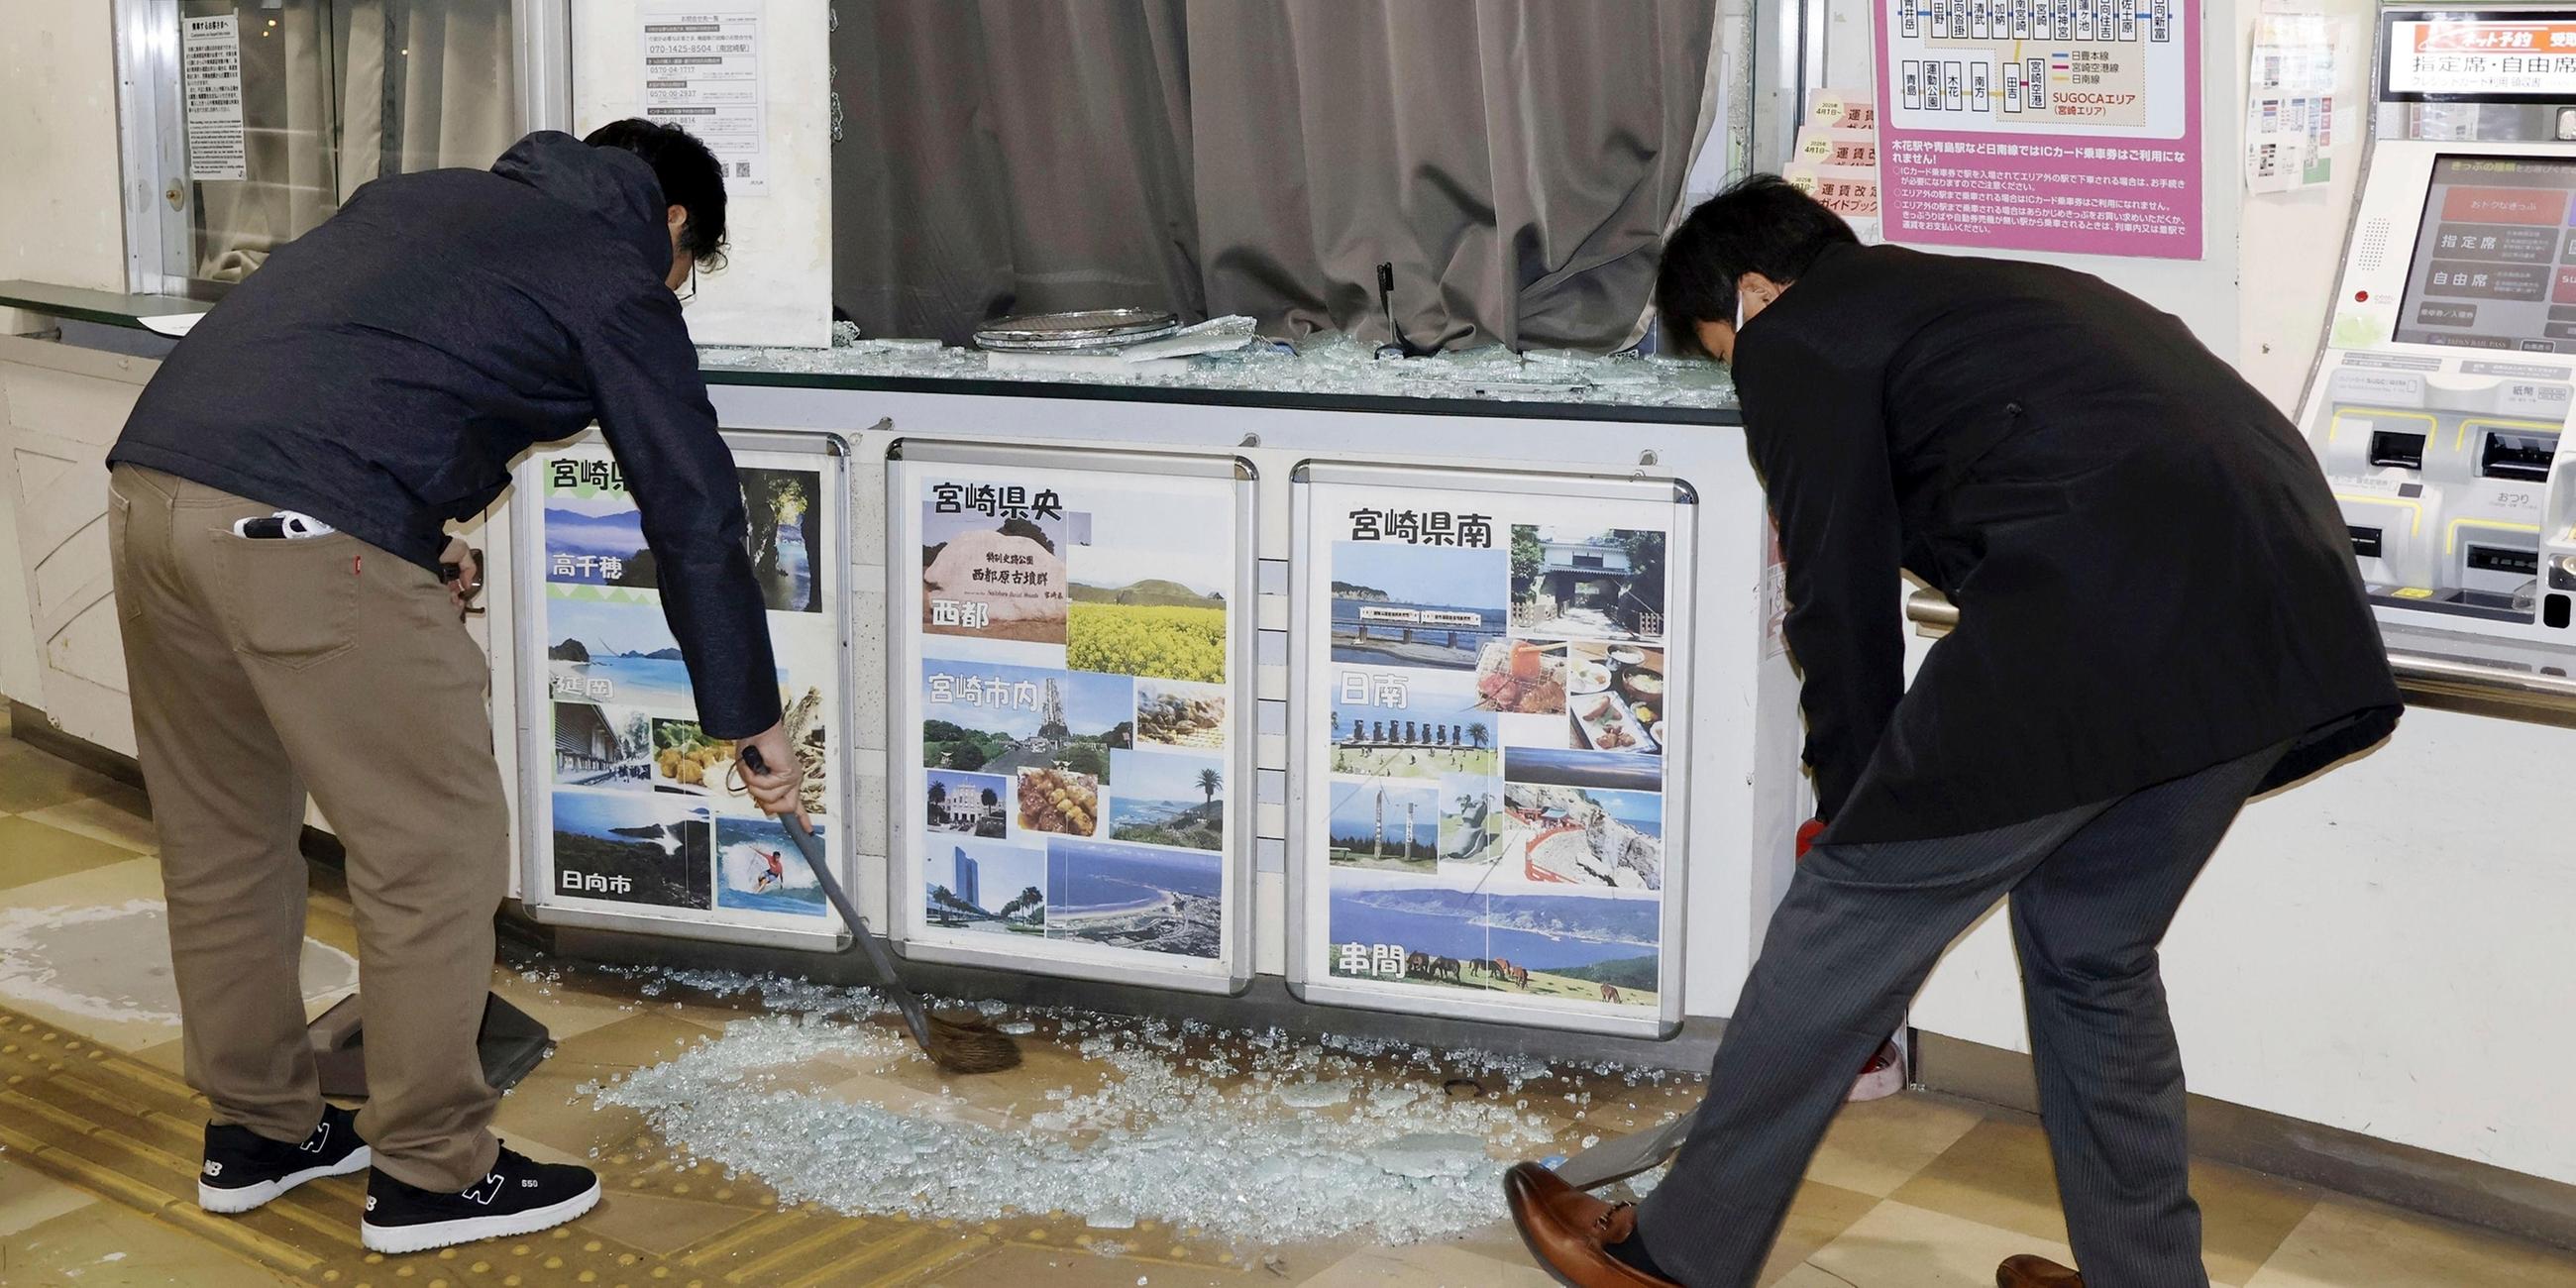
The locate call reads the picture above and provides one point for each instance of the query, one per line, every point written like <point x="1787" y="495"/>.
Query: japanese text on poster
<point x="702" y="73"/>
<point x="1485" y="810"/>
<point x="2054" y="125"/>
<point x="1073" y="790"/>
<point x="647" y="807"/>
<point x="210" y="78"/>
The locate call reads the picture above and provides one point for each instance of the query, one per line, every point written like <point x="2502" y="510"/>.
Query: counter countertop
<point x="1335" y="376"/>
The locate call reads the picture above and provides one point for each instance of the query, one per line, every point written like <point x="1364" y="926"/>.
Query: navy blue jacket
<point x="380" y="372"/>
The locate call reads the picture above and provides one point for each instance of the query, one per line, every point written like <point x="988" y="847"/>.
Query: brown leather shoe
<point x="2035" y="1272"/>
<point x="1568" y="1231"/>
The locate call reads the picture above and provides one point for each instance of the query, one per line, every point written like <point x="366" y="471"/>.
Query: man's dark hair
<point x="1761" y="224"/>
<point x="692" y="179"/>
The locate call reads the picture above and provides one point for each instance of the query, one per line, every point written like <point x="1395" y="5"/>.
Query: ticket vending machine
<point x="2441" y="408"/>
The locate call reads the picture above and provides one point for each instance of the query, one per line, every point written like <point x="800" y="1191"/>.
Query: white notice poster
<point x="702" y="73"/>
<point x="210" y="73"/>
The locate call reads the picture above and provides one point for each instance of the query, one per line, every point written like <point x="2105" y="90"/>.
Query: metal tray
<point x="1091" y="329"/>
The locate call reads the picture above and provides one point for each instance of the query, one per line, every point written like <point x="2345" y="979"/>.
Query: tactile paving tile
<point x="99" y="1120"/>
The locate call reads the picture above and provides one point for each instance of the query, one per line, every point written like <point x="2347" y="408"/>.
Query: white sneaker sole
<point x="226" y="1201"/>
<point x="394" y="1240"/>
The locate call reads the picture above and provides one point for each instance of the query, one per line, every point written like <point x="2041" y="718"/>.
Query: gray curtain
<point x="1517" y="161"/>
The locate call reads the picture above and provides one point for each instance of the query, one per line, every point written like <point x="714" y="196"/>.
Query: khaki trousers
<point x="264" y="669"/>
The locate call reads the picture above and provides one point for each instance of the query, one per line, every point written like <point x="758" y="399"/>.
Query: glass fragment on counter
<point x="1340" y="365"/>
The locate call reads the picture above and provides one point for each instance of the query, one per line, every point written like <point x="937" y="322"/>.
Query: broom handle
<point x="905" y="1000"/>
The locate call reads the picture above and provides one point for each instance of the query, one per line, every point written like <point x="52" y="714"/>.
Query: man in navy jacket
<point x="291" y="606"/>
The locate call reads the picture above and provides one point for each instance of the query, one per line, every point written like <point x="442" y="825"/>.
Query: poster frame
<point x="1310" y="980"/>
<point x="536" y="707"/>
<point x="905" y="854"/>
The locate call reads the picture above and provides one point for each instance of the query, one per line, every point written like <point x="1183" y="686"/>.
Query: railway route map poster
<point x="1489" y="694"/>
<point x="2069" y="126"/>
<point x="1071" y="783"/>
<point x="643" y="810"/>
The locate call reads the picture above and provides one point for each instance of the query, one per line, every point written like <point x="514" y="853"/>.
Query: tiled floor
<point x="95" y="1129"/>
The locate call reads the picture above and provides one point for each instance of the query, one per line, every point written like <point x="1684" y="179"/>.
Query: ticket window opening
<point x="2403" y="451"/>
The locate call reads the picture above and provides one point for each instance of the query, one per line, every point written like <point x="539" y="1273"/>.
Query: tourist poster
<point x="1488" y="681"/>
<point x="1071" y="759"/>
<point x="642" y="811"/>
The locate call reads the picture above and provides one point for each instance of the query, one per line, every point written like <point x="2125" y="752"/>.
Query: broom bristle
<point x="970" y="1045"/>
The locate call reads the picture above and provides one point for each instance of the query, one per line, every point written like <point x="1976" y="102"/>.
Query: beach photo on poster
<point x="972" y="804"/>
<point x="982" y="886"/>
<point x="1385" y="823"/>
<point x="1409" y="724"/>
<point x="1617" y="771"/>
<point x="999" y="718"/>
<point x="614" y="651"/>
<point x="1149" y="588"/>
<point x="1134" y="896"/>
<point x="628" y="847"/>
<point x="1587" y="583"/>
<point x="995" y="577"/>
<point x="1583" y="836"/>
<point x="687" y="761"/>
<point x="596" y="540"/>
<point x="598" y="746"/>
<point x="1399" y="605"/>
<point x="1470" y="821"/>
<point x="1177" y="713"/>
<point x="759" y="868"/>
<point x="1060" y="801"/>
<point x="784" y="509"/>
<point x="1570" y="947"/>
<point x="1165" y="799"/>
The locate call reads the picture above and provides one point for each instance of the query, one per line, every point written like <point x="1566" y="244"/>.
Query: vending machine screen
<point x="2495" y="266"/>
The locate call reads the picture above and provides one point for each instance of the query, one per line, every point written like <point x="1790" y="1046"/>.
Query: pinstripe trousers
<point x="2092" y="891"/>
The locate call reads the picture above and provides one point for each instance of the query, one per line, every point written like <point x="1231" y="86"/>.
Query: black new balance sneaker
<point x="521" y="1196"/>
<point x="245" y="1169"/>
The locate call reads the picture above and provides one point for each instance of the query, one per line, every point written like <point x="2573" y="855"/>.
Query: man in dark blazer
<point x="2159" y="617"/>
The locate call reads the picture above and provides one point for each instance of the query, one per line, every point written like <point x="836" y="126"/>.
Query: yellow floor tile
<point x="1020" y="1266"/>
<point x="106" y="1246"/>
<point x="32" y="851"/>
<point x="1820" y="1214"/>
<point x="1900" y="1246"/>
<point x="662" y="1226"/>
<point x="2346" y="1242"/>
<point x="28" y="1199"/>
<point x="567" y="1010"/>
<point x="30" y="779"/>
<point x="1428" y="1264"/>
<point x="120" y="818"/>
<point x="1877" y="1146"/>
<point x="634" y="1042"/>
<point x="1996" y="1175"/>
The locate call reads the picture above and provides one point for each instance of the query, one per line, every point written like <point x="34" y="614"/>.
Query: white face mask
<point x="1739" y="312"/>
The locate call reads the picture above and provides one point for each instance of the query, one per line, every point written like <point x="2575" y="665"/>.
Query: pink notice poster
<point x="2067" y="126"/>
